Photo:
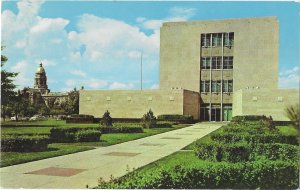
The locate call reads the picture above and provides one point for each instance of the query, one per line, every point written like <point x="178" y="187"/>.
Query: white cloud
<point x="182" y="12"/>
<point x="46" y="62"/>
<point x="121" y="86"/>
<point x="78" y="73"/>
<point x="155" y="86"/>
<point x="22" y="79"/>
<point x="176" y="14"/>
<point x="289" y="78"/>
<point x="96" y="83"/>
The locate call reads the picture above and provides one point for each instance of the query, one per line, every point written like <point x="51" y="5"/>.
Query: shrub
<point x="293" y="113"/>
<point x="87" y="135"/>
<point x="241" y="152"/>
<point x="276" y="151"/>
<point x="214" y="151"/>
<point x="176" y="118"/>
<point x="80" y="118"/>
<point x="161" y="124"/>
<point x="24" y="143"/>
<point x="228" y="137"/>
<point x="67" y="134"/>
<point x="221" y="175"/>
<point x="122" y="128"/>
<point x="106" y="119"/>
<point x="149" y="120"/>
<point x="231" y="137"/>
<point x="242" y="118"/>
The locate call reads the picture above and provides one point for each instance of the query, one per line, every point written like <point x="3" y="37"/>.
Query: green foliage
<point x="122" y="128"/>
<point x="72" y="104"/>
<point x="164" y="124"/>
<point x="209" y="175"/>
<point x="214" y="151"/>
<point x="24" y="143"/>
<point x="80" y="118"/>
<point x="293" y="113"/>
<point x="176" y="118"/>
<point x="106" y="119"/>
<point x="68" y="134"/>
<point x="242" y="118"/>
<point x="241" y="152"/>
<point x="149" y="120"/>
<point x="87" y="135"/>
<point x="7" y="88"/>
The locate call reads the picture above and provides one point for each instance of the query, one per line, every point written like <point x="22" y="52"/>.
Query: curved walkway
<point x="83" y="169"/>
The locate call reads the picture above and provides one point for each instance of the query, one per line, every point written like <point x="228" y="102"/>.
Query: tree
<point x="106" y="119"/>
<point x="72" y="103"/>
<point x="149" y="120"/>
<point x="293" y="113"/>
<point x="7" y="88"/>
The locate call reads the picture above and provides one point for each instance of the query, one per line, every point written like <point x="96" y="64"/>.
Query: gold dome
<point x="40" y="69"/>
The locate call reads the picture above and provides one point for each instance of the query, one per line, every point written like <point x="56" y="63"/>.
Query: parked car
<point x="37" y="118"/>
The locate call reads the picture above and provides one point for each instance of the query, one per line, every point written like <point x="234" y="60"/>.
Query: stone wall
<point x="135" y="103"/>
<point x="264" y="102"/>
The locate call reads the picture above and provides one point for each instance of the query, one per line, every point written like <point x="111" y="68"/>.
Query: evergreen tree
<point x="106" y="119"/>
<point x="7" y="88"/>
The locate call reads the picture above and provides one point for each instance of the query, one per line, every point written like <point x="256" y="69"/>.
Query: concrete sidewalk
<point x="76" y="171"/>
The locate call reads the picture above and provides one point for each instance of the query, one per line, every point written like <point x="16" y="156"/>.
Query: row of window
<point x="216" y="86"/>
<point x="216" y="62"/>
<point x="215" y="39"/>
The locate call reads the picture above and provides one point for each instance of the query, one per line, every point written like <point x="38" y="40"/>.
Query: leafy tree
<point x="7" y="88"/>
<point x="106" y="119"/>
<point x="72" y="104"/>
<point x="293" y="113"/>
<point x="149" y="120"/>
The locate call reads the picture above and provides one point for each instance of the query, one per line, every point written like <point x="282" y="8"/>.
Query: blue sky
<point x="97" y="44"/>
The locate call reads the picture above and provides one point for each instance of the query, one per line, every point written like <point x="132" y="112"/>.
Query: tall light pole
<point x="142" y="70"/>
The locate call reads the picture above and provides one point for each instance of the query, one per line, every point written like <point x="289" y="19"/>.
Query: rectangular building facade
<point x="135" y="103"/>
<point x="217" y="58"/>
<point x="206" y="70"/>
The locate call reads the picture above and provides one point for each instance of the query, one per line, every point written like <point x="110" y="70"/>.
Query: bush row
<point x="75" y="134"/>
<point x="24" y="143"/>
<point x="121" y="128"/>
<point x="176" y="118"/>
<point x="265" y="174"/>
<point x="230" y="137"/>
<point x="81" y="116"/>
<point x="242" y="152"/>
<point x="242" y="118"/>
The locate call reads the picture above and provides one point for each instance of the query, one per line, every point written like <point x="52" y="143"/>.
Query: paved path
<point x="84" y="168"/>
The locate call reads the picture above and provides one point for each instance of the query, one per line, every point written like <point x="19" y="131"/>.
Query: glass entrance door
<point x="215" y="114"/>
<point x="227" y="114"/>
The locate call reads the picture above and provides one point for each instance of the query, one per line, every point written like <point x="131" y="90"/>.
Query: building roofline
<point x="218" y="20"/>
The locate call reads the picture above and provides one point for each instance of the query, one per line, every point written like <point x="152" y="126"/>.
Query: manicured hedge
<point x="80" y="118"/>
<point x="122" y="128"/>
<point x="213" y="151"/>
<point x="231" y="137"/>
<point x="241" y="118"/>
<point x="87" y="135"/>
<point x="67" y="134"/>
<point x="264" y="174"/>
<point x="24" y="143"/>
<point x="162" y="124"/>
<point x="176" y="118"/>
<point x="276" y="151"/>
<point x="241" y="152"/>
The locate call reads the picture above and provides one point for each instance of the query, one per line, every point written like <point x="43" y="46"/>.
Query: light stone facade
<point x="224" y="56"/>
<point x="265" y="102"/>
<point x="135" y="103"/>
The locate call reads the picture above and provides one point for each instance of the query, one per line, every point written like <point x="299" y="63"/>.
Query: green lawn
<point x="12" y="158"/>
<point x="287" y="130"/>
<point x="57" y="149"/>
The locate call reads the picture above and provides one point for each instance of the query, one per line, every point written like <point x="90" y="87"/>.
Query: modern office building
<point x="212" y="70"/>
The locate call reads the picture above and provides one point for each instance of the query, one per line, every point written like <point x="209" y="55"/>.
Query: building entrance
<point x="215" y="114"/>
